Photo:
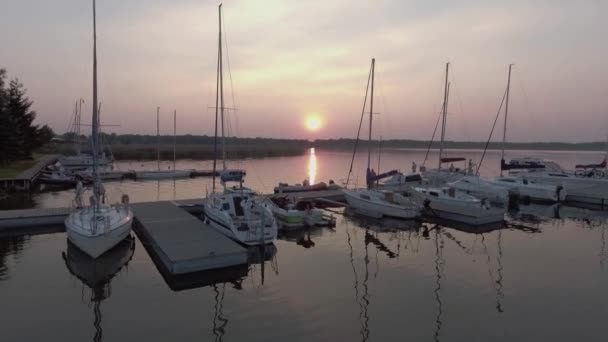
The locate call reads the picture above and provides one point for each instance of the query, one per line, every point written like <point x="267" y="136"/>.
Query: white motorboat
<point x="578" y="189"/>
<point x="531" y="190"/>
<point x="370" y="202"/>
<point x="242" y="218"/>
<point x="380" y="203"/>
<point x="99" y="227"/>
<point x="450" y="204"/>
<point x="482" y="189"/>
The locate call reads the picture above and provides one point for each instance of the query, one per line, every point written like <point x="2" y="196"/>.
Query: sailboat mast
<point x="504" y="131"/>
<point x="445" y="109"/>
<point x="221" y="70"/>
<point x="174" y="135"/>
<point x="158" y="138"/>
<point x="371" y="114"/>
<point x="95" y="121"/>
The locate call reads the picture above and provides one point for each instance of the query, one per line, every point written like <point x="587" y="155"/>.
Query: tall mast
<point x="445" y="110"/>
<point x="221" y="67"/>
<point x="371" y="114"/>
<point x="95" y="122"/>
<point x="174" y="135"/>
<point x="217" y="96"/>
<point x="158" y="138"/>
<point x="504" y="131"/>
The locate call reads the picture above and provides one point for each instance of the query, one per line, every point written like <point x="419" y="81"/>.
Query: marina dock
<point x="183" y="243"/>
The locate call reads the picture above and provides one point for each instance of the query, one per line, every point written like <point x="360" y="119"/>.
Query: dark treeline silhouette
<point x="348" y="144"/>
<point x="19" y="136"/>
<point x="136" y="146"/>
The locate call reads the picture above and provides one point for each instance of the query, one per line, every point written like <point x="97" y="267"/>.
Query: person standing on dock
<point x="79" y="191"/>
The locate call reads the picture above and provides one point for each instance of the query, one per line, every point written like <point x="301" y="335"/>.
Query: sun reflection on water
<point x="312" y="166"/>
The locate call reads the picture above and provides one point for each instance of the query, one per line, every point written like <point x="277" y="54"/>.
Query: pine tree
<point x="19" y="136"/>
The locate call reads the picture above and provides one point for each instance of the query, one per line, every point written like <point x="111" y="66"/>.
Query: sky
<point x="292" y="60"/>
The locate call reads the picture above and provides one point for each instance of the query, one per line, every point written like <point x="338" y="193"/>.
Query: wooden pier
<point x="182" y="243"/>
<point x="26" y="179"/>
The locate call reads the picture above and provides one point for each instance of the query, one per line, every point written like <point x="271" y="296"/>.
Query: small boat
<point x="286" y="188"/>
<point x="293" y="214"/>
<point x="482" y="189"/>
<point x="450" y="204"/>
<point x="99" y="227"/>
<point x="531" y="190"/>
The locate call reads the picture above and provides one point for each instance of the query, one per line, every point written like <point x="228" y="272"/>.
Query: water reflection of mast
<point x="439" y="263"/>
<point x="97" y="274"/>
<point x="356" y="276"/>
<point x="499" y="294"/>
<point x="365" y="297"/>
<point x="219" y="321"/>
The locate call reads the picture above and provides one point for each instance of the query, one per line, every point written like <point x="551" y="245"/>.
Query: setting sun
<point x="313" y="122"/>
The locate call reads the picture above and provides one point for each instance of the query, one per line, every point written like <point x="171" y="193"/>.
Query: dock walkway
<point x="181" y="242"/>
<point x="24" y="180"/>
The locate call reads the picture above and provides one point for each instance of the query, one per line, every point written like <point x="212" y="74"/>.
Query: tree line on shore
<point x="19" y="136"/>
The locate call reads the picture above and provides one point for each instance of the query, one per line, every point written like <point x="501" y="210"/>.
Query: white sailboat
<point x="370" y="202"/>
<point x="447" y="202"/>
<point x="158" y="173"/>
<point x="442" y="175"/>
<point x="576" y="186"/>
<point x="99" y="227"/>
<point x="240" y="215"/>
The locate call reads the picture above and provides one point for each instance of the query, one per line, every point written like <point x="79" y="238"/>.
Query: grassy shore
<point x="13" y="169"/>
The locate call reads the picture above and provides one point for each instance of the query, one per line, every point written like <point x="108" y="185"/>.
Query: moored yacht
<point x="99" y="227"/>
<point x="451" y="204"/>
<point x="240" y="214"/>
<point x="370" y="202"/>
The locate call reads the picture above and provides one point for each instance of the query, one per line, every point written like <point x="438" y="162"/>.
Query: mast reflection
<point x="439" y="265"/>
<point x="97" y="274"/>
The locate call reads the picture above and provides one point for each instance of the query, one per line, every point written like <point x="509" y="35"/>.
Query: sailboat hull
<point x="114" y="228"/>
<point x="367" y="203"/>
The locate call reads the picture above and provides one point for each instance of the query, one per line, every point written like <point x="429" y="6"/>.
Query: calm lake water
<point x="543" y="277"/>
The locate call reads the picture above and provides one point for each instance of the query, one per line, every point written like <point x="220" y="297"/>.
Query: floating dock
<point x="182" y="243"/>
<point x="13" y="219"/>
